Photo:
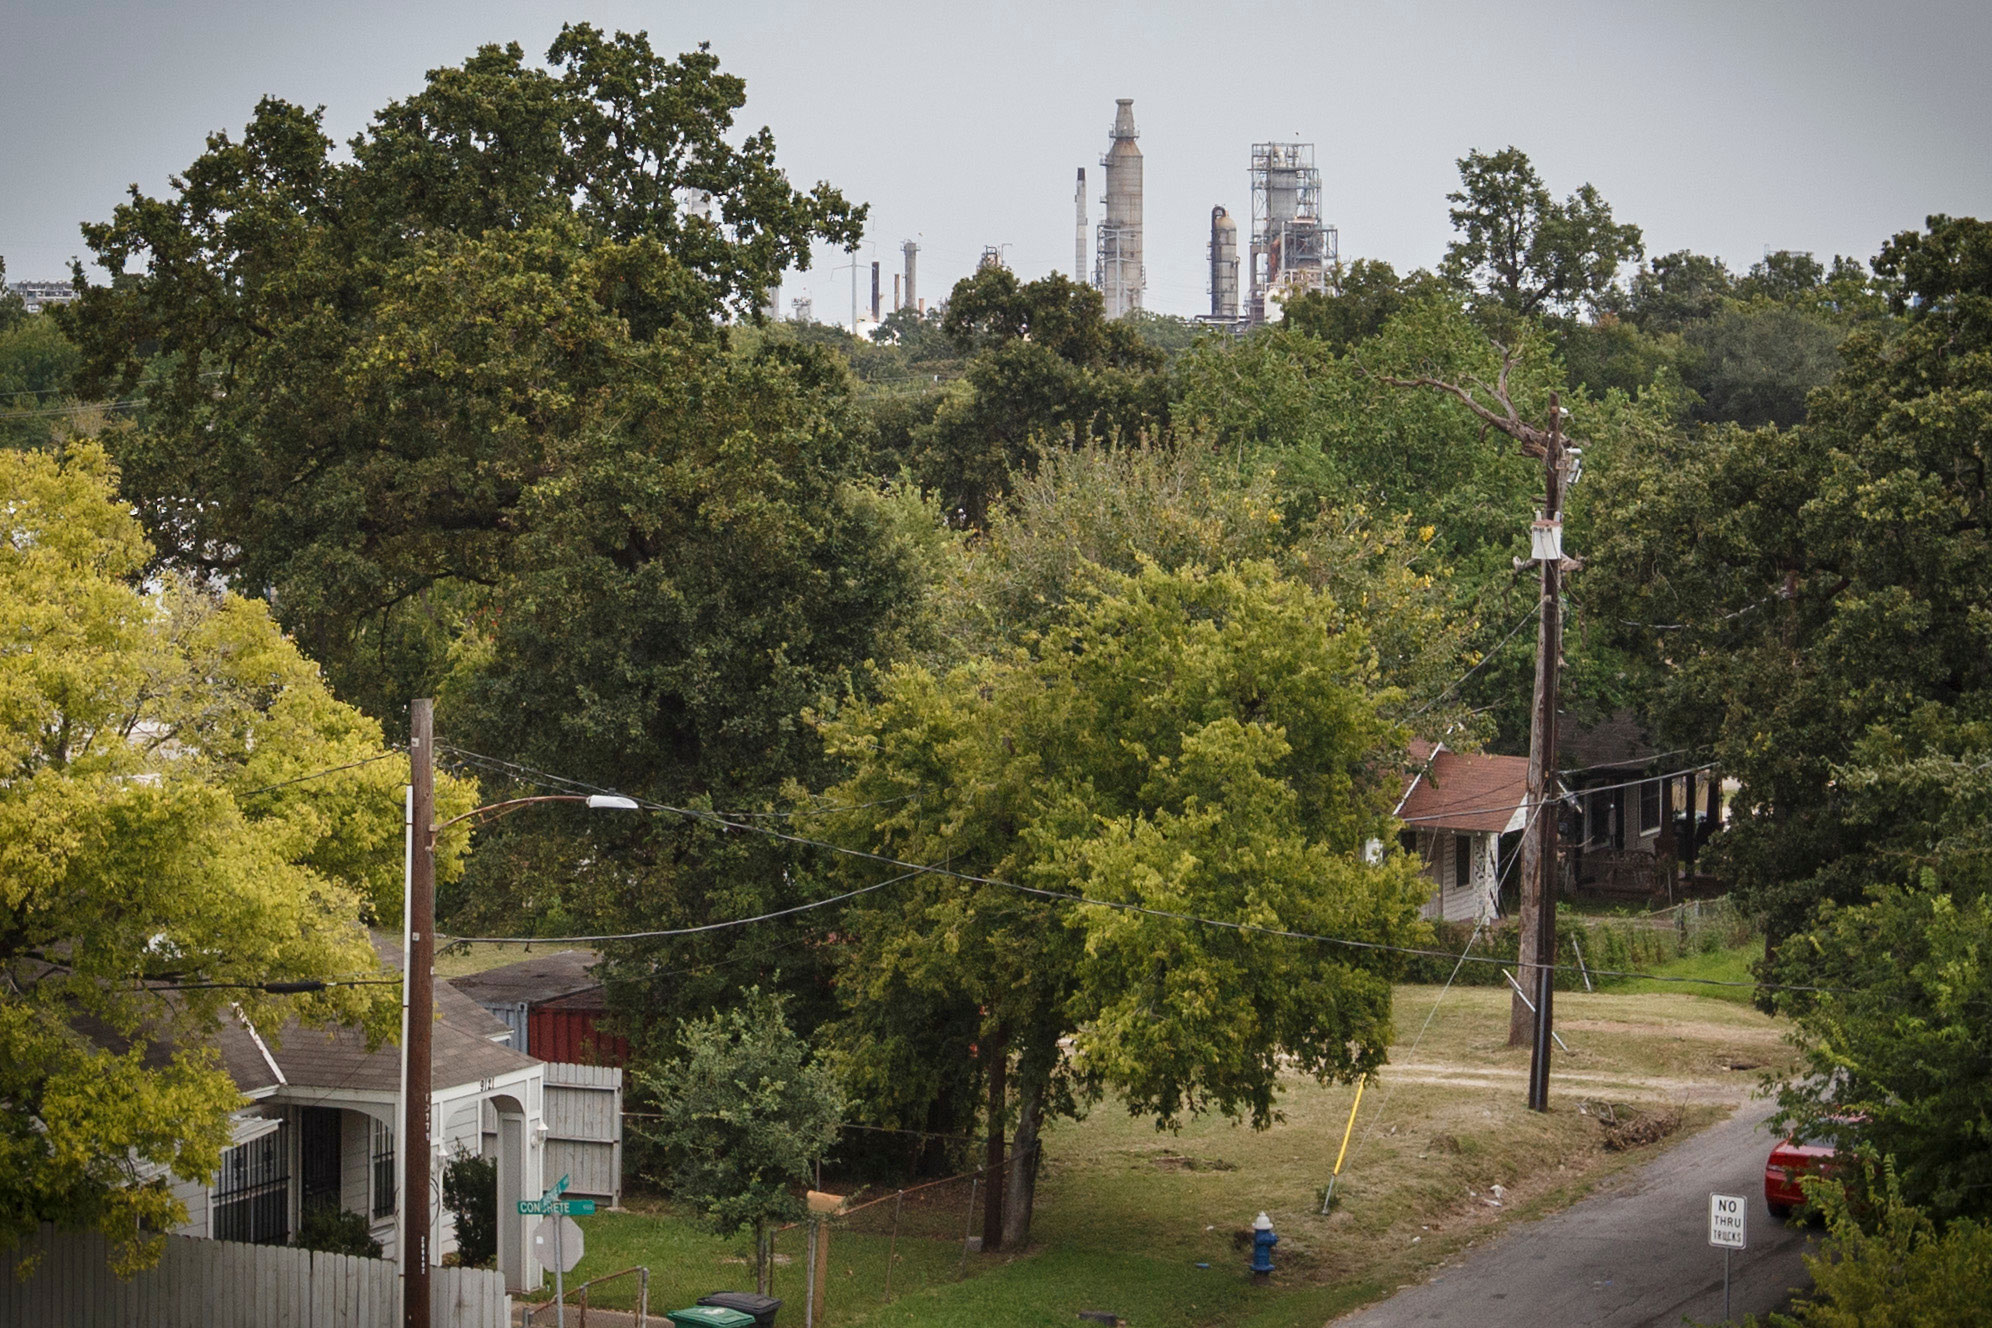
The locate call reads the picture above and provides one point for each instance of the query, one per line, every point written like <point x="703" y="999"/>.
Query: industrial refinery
<point x="1290" y="249"/>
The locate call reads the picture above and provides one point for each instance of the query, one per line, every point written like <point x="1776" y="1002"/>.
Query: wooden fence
<point x="222" y="1284"/>
<point x="584" y="1128"/>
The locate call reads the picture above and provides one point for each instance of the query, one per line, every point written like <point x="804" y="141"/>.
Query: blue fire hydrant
<point x="1263" y="1240"/>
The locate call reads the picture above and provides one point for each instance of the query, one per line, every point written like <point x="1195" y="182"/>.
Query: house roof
<point x="462" y="1049"/>
<point x="338" y="1057"/>
<point x="1466" y="791"/>
<point x="533" y="980"/>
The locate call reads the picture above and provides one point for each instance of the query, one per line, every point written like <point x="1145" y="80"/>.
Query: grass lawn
<point x="1731" y="965"/>
<point x="1126" y="1215"/>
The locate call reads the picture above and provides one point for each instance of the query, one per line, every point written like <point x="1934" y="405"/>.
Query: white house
<point x="321" y="1125"/>
<point x="1457" y="808"/>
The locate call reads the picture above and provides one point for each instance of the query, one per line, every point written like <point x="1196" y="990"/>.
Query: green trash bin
<point x="710" y="1316"/>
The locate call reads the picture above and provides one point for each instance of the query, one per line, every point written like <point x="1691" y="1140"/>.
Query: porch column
<point x="512" y="1232"/>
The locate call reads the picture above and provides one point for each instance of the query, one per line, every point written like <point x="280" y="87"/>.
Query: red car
<point x="1790" y="1162"/>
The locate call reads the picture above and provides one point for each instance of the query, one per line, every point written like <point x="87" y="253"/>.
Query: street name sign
<point x="564" y="1207"/>
<point x="1727" y="1225"/>
<point x="551" y="1203"/>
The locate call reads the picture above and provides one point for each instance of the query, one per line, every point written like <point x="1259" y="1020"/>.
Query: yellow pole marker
<point x="1347" y="1130"/>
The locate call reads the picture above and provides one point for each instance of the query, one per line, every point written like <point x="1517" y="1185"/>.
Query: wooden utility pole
<point x="1538" y="911"/>
<point x="992" y="1194"/>
<point x="420" y="961"/>
<point x="1542" y="763"/>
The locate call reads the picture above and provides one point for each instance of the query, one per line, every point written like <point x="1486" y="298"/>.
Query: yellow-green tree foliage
<point x="155" y="833"/>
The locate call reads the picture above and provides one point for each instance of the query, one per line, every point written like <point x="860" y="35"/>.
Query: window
<point x="1649" y="807"/>
<point x="252" y="1191"/>
<point x="1462" y="861"/>
<point x="383" y="1170"/>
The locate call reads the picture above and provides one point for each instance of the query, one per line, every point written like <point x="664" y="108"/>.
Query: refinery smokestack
<point x="1079" y="238"/>
<point x="1223" y="266"/>
<point x="912" y="252"/>
<point x="1119" y="273"/>
<point x="875" y="294"/>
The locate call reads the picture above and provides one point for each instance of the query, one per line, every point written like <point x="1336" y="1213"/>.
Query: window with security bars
<point x="252" y="1191"/>
<point x="383" y="1170"/>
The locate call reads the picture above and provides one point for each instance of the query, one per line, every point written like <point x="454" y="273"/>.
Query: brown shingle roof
<point x="1451" y="790"/>
<point x="534" y="980"/>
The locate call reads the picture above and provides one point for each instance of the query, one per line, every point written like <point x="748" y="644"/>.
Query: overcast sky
<point x="1725" y="128"/>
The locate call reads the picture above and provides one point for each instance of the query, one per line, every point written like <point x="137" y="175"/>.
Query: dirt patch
<point x="1183" y="1162"/>
<point x="1678" y="1029"/>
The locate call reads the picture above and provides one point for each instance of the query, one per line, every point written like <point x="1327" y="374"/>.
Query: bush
<point x="330" y="1229"/>
<point x="1885" y="1264"/>
<point x="470" y="1192"/>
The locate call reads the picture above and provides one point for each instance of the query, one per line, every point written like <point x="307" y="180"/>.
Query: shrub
<point x="1886" y="1265"/>
<point x="470" y="1192"/>
<point x="330" y="1229"/>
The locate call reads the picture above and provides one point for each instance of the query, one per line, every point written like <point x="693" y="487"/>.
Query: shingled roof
<point x="461" y="1048"/>
<point x="1465" y="791"/>
<point x="532" y="980"/>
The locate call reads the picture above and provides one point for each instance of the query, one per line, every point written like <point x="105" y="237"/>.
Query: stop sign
<point x="562" y="1255"/>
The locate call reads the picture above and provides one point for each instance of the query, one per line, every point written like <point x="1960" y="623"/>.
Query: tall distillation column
<point x="912" y="252"/>
<point x="1079" y="233"/>
<point x="1117" y="269"/>
<point x="1223" y="266"/>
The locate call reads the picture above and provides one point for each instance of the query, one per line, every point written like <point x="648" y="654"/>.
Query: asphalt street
<point x="1634" y="1254"/>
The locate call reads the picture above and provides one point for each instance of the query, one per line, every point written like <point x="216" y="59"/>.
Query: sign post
<point x="1728" y="1231"/>
<point x="558" y="1229"/>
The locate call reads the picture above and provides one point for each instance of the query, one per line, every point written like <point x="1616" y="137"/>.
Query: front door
<point x="318" y="1157"/>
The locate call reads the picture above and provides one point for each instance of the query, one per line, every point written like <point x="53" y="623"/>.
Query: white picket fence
<point x="222" y="1284"/>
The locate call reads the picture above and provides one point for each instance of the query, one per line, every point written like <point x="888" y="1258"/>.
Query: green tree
<point x="1045" y="368"/>
<point x="1176" y="506"/>
<point x="158" y="832"/>
<point x="1805" y="592"/>
<point x="1363" y="300"/>
<point x="1525" y="251"/>
<point x="364" y="361"/>
<point x="1885" y="1264"/>
<point x="1208" y="743"/>
<point x="745" y="1113"/>
<point x="36" y="364"/>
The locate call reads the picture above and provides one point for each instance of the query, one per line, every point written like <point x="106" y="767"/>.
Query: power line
<point x="683" y="931"/>
<point x="1484" y="661"/>
<point x="1595" y="788"/>
<point x="319" y="774"/>
<point x="1062" y="897"/>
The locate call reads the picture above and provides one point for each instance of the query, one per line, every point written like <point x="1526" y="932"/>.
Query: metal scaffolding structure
<point x="1293" y="250"/>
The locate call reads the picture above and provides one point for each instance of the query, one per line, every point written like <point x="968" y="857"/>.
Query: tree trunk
<point x="1032" y="1084"/>
<point x="762" y="1262"/>
<point x="998" y="1056"/>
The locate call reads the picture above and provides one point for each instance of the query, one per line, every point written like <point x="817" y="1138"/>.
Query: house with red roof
<point x="1463" y="814"/>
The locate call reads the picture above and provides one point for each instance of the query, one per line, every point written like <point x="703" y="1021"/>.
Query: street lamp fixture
<point x="418" y="990"/>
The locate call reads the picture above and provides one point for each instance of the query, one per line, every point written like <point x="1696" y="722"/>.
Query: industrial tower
<point x="1292" y="250"/>
<point x="1117" y="268"/>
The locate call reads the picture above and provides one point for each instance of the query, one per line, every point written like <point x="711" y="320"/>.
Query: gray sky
<point x="1724" y="128"/>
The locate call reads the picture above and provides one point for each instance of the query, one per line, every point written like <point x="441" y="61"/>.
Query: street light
<point x="418" y="989"/>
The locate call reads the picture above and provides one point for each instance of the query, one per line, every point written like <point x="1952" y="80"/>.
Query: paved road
<point x="1634" y="1255"/>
